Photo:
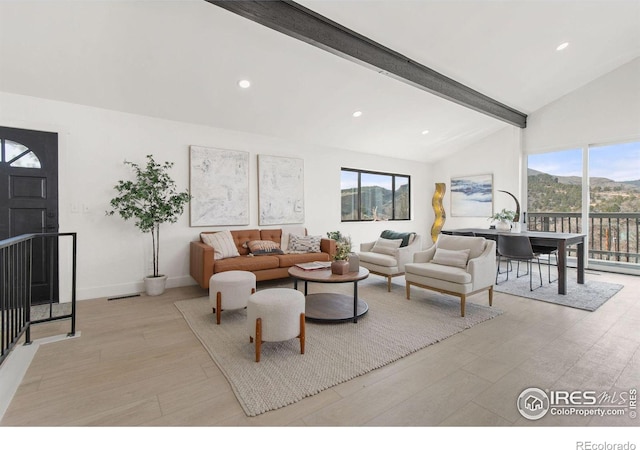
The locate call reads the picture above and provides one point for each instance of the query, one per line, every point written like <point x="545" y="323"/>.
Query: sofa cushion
<point x="454" y="258"/>
<point x="240" y="237"/>
<point x="386" y="246"/>
<point x="291" y="259"/>
<point x="439" y="272"/>
<point x="222" y="244"/>
<point x="248" y="263"/>
<point x="304" y="244"/>
<point x="379" y="259"/>
<point x="261" y="247"/>
<point x="274" y="235"/>
<point x="476" y="245"/>
<point x="407" y="238"/>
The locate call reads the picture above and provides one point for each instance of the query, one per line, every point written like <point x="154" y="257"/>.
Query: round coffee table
<point x="328" y="306"/>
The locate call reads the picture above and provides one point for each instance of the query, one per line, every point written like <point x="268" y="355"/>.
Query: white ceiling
<point x="181" y="60"/>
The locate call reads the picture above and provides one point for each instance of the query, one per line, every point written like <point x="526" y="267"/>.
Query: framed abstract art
<point x="472" y="196"/>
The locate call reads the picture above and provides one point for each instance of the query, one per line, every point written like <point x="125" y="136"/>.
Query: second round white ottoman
<point x="230" y="290"/>
<point x="275" y="315"/>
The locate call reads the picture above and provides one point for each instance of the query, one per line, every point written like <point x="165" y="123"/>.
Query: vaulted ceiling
<point x="181" y="60"/>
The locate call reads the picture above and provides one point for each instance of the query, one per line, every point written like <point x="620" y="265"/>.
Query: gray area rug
<point x="588" y="296"/>
<point x="40" y="312"/>
<point x="334" y="353"/>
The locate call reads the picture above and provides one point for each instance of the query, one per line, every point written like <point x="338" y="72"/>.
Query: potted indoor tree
<point x="151" y="199"/>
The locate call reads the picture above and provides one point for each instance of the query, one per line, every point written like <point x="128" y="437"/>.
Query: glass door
<point x="554" y="193"/>
<point x="614" y="206"/>
<point x="595" y="189"/>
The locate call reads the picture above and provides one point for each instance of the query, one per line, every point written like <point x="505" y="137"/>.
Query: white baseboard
<point x="128" y="288"/>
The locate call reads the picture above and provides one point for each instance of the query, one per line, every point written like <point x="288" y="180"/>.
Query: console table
<point x="559" y="241"/>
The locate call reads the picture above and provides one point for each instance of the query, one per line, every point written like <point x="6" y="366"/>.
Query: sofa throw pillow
<point x="386" y="246"/>
<point x="222" y="243"/>
<point x="288" y="231"/>
<point x="453" y="258"/>
<point x="304" y="244"/>
<point x="407" y="238"/>
<point x="264" y="248"/>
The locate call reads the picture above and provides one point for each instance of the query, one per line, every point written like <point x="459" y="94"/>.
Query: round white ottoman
<point x="230" y="290"/>
<point x="275" y="315"/>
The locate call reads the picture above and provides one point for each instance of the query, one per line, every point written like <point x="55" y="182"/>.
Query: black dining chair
<point x="515" y="247"/>
<point x="464" y="233"/>
<point x="544" y="250"/>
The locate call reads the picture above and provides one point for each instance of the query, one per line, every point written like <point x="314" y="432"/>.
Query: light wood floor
<point x="137" y="363"/>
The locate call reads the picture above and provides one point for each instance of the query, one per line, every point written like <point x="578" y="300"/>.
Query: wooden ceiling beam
<point x="299" y="22"/>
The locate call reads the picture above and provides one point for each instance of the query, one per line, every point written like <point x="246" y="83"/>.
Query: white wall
<point x="604" y="111"/>
<point x="497" y="154"/>
<point x="113" y="256"/>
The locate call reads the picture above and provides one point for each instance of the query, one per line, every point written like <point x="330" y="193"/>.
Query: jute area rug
<point x="588" y="296"/>
<point x="334" y="353"/>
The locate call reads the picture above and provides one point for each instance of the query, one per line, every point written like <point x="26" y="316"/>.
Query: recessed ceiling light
<point x="562" y="46"/>
<point x="425" y="132"/>
<point x="244" y="84"/>
<point x="357" y="114"/>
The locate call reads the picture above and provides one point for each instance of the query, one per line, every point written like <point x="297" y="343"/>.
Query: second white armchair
<point x="455" y="265"/>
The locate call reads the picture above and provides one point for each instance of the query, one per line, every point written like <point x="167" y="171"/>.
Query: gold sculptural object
<point x="438" y="208"/>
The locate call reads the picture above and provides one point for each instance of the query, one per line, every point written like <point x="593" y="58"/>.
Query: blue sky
<point x="619" y="162"/>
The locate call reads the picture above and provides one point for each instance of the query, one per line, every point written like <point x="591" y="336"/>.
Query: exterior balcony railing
<point x="611" y="236"/>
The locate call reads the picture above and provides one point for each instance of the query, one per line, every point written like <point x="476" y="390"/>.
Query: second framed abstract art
<point x="280" y="190"/>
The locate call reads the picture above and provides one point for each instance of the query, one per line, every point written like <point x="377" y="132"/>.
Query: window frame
<point x="359" y="173"/>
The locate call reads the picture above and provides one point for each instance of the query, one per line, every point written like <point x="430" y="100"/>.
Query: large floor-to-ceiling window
<point x="594" y="190"/>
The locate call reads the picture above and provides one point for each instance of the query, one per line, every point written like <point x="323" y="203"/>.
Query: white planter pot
<point x="155" y="285"/>
<point x="503" y="225"/>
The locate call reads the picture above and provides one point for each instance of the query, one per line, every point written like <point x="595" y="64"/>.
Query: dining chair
<point x="544" y="250"/>
<point x="463" y="233"/>
<point x="515" y="247"/>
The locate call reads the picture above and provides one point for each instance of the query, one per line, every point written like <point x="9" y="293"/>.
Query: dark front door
<point x="29" y="201"/>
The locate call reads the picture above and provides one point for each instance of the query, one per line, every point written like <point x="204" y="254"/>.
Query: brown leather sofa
<point x="265" y="267"/>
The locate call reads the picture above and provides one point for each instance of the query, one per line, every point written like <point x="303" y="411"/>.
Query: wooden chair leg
<point x="408" y="289"/>
<point x="388" y="284"/>
<point x="218" y="306"/>
<point x="491" y="296"/>
<point x="258" y="338"/>
<point x="463" y="298"/>
<point x="302" y="333"/>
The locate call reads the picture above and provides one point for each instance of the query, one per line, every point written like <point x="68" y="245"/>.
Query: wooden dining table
<point x="559" y="241"/>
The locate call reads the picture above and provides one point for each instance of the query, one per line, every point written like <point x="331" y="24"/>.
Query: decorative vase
<point x="438" y="208"/>
<point x="339" y="267"/>
<point x="516" y="227"/>
<point x="503" y="225"/>
<point x="155" y="285"/>
<point x="354" y="262"/>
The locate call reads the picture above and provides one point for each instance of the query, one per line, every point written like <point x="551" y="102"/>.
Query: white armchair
<point x="385" y="260"/>
<point x="454" y="265"/>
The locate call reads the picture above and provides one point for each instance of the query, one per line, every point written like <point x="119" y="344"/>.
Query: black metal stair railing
<point x="16" y="265"/>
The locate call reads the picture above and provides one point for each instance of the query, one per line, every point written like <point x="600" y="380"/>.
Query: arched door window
<point x="17" y="155"/>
